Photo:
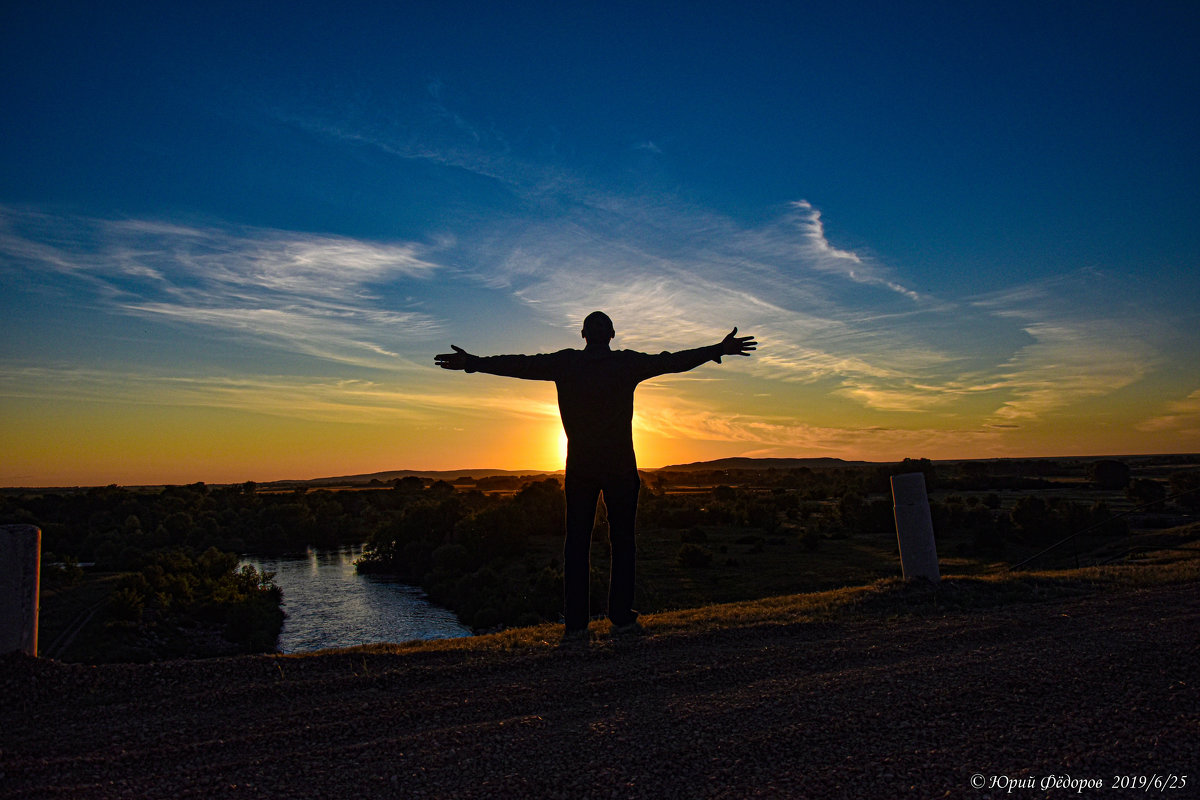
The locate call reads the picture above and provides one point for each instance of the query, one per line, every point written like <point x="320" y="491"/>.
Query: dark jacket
<point x="595" y="397"/>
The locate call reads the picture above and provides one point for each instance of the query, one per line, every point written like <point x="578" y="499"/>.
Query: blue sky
<point x="232" y="238"/>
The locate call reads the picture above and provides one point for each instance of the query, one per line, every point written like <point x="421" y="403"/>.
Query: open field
<point x="886" y="690"/>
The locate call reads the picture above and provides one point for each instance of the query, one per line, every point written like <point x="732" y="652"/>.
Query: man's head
<point x="598" y="328"/>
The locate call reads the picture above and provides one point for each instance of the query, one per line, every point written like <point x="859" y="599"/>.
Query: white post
<point x="914" y="527"/>
<point x="20" y="571"/>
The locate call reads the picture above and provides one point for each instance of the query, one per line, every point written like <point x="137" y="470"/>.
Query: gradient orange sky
<point x="231" y="245"/>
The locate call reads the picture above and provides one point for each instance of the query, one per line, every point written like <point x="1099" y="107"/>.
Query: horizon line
<point x="463" y="471"/>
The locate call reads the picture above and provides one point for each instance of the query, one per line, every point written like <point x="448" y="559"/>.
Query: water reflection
<point x="329" y="604"/>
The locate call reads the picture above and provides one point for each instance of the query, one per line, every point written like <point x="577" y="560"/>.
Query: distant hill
<point x="718" y="464"/>
<point x="454" y="474"/>
<point x="760" y="463"/>
<point x="391" y="475"/>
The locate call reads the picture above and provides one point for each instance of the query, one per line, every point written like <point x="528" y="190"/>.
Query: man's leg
<point x="621" y="498"/>
<point x="582" y="494"/>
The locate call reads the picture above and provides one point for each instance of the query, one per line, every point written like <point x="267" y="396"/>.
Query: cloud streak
<point x="786" y="436"/>
<point x="320" y="399"/>
<point x="322" y="296"/>
<point x="1182" y="416"/>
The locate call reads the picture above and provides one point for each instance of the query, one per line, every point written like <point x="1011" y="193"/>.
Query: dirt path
<point x="1090" y="687"/>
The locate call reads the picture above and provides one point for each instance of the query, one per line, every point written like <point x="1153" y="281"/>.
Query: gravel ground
<point x="1093" y="687"/>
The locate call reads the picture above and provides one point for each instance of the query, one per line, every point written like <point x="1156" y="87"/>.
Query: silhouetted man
<point x="595" y="400"/>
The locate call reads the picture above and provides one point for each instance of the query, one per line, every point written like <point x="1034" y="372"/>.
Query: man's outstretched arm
<point x="541" y="367"/>
<point x="684" y="360"/>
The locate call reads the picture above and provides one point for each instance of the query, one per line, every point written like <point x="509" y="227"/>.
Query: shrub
<point x="126" y="604"/>
<point x="1146" y="492"/>
<point x="492" y="532"/>
<point x="58" y="573"/>
<point x="254" y="624"/>
<point x="451" y="559"/>
<point x="1185" y="487"/>
<point x="692" y="556"/>
<point x="1109" y="474"/>
<point x="1031" y="518"/>
<point x="544" y="506"/>
<point x="486" y="618"/>
<point x="810" y="540"/>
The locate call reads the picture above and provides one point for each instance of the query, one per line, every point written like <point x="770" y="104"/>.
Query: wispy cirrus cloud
<point x="1182" y="416"/>
<point x="315" y="398"/>
<point x="1084" y="342"/>
<point x="787" y="435"/>
<point x="275" y="263"/>
<point x="319" y="295"/>
<point x="1065" y="365"/>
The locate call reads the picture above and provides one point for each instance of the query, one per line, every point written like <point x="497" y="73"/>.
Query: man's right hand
<point x="455" y="360"/>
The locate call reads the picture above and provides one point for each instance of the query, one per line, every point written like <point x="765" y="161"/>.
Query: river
<point x="328" y="604"/>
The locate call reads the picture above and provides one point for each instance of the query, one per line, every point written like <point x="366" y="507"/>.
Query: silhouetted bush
<point x="1146" y="492"/>
<point x="810" y="540"/>
<point x="1185" y="487"/>
<point x="451" y="559"/>
<point x="485" y="618"/>
<point x="693" y="556"/>
<point x="1031" y="519"/>
<point x="59" y="572"/>
<point x="126" y="604"/>
<point x="1108" y="474"/>
<point x="544" y="507"/>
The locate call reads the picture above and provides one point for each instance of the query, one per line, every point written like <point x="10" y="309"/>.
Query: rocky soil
<point x="1093" y="687"/>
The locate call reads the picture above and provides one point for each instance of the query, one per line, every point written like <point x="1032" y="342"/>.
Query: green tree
<point x="1109" y="474"/>
<point x="544" y="506"/>
<point x="693" y="556"/>
<point x="1032" y="519"/>
<point x="1146" y="492"/>
<point x="1185" y="487"/>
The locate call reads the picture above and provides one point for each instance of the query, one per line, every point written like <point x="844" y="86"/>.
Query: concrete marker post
<point x="20" y="573"/>
<point x="914" y="527"/>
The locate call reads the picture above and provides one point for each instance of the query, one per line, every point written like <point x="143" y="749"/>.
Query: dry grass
<point x="888" y="598"/>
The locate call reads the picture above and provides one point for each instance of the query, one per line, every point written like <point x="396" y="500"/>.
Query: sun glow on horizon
<point x="561" y="443"/>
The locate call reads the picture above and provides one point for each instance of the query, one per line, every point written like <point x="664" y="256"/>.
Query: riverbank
<point x="892" y="690"/>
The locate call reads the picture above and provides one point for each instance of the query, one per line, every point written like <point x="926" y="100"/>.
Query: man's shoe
<point x="633" y="628"/>
<point x="576" y="636"/>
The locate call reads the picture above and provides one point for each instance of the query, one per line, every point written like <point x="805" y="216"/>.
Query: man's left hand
<point x="734" y="345"/>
